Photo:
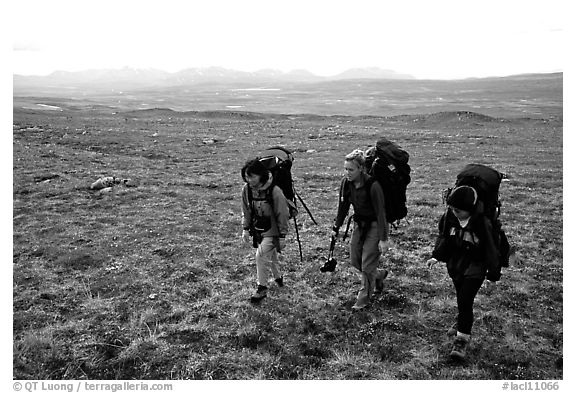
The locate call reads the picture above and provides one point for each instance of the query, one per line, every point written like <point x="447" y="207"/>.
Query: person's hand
<point x="384" y="245"/>
<point x="334" y="233"/>
<point x="281" y="244"/>
<point x="490" y="286"/>
<point x="431" y="262"/>
<point x="246" y="236"/>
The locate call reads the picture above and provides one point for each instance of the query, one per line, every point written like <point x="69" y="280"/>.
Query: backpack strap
<point x="343" y="186"/>
<point x="252" y="215"/>
<point x="251" y="201"/>
<point x="268" y="198"/>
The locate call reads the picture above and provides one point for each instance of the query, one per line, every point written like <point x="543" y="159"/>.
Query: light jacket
<point x="278" y="214"/>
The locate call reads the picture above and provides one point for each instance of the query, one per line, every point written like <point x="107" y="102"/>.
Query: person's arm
<point x="281" y="211"/>
<point x="246" y="211"/>
<point x="378" y="204"/>
<point x="491" y="252"/>
<point x="246" y="215"/>
<point x="441" y="250"/>
<point x="343" y="206"/>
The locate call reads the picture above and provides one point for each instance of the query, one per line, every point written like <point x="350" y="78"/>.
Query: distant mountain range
<point x="355" y="92"/>
<point x="142" y="78"/>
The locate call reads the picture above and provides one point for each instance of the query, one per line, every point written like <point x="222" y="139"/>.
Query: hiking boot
<point x="280" y="281"/>
<point x="459" y="348"/>
<point x="379" y="284"/>
<point x="260" y="294"/>
<point x="452" y="330"/>
<point x="361" y="302"/>
<point x="359" y="306"/>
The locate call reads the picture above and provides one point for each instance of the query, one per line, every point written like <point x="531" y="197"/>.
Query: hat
<point x="463" y="198"/>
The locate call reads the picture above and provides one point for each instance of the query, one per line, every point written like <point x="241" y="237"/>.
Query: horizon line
<point x="407" y="75"/>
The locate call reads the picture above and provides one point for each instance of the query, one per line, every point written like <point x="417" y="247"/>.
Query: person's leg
<point x="370" y="259"/>
<point x="275" y="264"/>
<point x="371" y="256"/>
<point x="380" y="275"/>
<point x="379" y="282"/>
<point x="275" y="267"/>
<point x="356" y="248"/>
<point x="466" y="290"/>
<point x="454" y="327"/>
<point x="264" y="255"/>
<point x="466" y="293"/>
<point x="356" y="259"/>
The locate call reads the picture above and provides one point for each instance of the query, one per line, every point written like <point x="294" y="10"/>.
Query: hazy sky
<point x="428" y="39"/>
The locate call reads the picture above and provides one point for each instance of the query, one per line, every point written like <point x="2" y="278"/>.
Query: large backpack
<point x="387" y="163"/>
<point x="486" y="181"/>
<point x="278" y="160"/>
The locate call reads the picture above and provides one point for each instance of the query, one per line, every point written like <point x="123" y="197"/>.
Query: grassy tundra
<point x="152" y="281"/>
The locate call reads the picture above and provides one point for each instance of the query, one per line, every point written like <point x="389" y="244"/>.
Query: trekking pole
<point x="298" y="240"/>
<point x="305" y="207"/>
<point x="297" y="233"/>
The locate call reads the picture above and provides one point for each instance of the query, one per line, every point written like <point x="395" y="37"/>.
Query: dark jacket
<point x="368" y="202"/>
<point x="470" y="251"/>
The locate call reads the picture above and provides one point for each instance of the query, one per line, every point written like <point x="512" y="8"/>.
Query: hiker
<point x="265" y="220"/>
<point x="466" y="244"/>
<point x="370" y="234"/>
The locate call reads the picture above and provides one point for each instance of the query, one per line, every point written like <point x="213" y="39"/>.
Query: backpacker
<point x="486" y="181"/>
<point x="278" y="160"/>
<point x="387" y="163"/>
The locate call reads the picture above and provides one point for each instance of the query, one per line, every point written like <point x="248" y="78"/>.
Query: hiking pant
<point x="364" y="256"/>
<point x="466" y="290"/>
<point x="267" y="259"/>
